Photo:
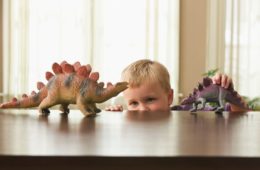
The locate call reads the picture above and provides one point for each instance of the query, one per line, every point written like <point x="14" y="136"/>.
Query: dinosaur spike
<point x="195" y="91"/>
<point x="57" y="69"/>
<point x="94" y="76"/>
<point x="62" y="64"/>
<point x="101" y="84"/>
<point x="234" y="93"/>
<point x="33" y="93"/>
<point x="82" y="71"/>
<point x="68" y="68"/>
<point x="76" y="65"/>
<point x="200" y="87"/>
<point x="40" y="85"/>
<point x="24" y="96"/>
<point x="207" y="81"/>
<point x="89" y="68"/>
<point x="109" y="85"/>
<point x="48" y="75"/>
<point x="230" y="87"/>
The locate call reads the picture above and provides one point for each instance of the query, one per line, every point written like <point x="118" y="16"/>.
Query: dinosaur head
<point x="102" y="94"/>
<point x="114" y="90"/>
<point x="119" y="87"/>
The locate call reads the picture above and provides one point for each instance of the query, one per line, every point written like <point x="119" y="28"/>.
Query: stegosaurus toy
<point x="208" y="92"/>
<point x="70" y="84"/>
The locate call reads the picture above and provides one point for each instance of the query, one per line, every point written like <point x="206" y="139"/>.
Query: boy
<point x="149" y="87"/>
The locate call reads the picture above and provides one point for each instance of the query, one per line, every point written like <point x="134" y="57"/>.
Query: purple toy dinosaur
<point x="209" y="92"/>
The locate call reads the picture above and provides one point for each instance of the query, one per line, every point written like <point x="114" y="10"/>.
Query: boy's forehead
<point x="144" y="89"/>
<point x="145" y="84"/>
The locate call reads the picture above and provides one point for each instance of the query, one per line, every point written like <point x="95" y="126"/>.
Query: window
<point x="233" y="42"/>
<point x="106" y="34"/>
<point x="242" y="45"/>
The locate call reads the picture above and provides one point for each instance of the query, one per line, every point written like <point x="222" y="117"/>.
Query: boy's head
<point x="149" y="86"/>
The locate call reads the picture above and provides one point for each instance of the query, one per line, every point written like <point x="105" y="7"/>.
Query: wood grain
<point x="162" y="140"/>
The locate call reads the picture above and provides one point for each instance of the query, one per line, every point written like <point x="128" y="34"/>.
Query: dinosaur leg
<point x="92" y="109"/>
<point x="86" y="109"/>
<point x="64" y="108"/>
<point x="46" y="104"/>
<point x="215" y="108"/>
<point x="221" y="100"/>
<point x="220" y="109"/>
<point x="203" y="103"/>
<point x="97" y="110"/>
<point x="194" y="107"/>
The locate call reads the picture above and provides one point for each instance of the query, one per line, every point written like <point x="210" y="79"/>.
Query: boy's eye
<point x="134" y="103"/>
<point x="150" y="99"/>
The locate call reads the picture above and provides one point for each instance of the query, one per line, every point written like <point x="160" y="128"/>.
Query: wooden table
<point x="129" y="140"/>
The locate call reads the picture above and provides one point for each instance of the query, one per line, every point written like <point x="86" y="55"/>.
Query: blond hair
<point x="146" y="70"/>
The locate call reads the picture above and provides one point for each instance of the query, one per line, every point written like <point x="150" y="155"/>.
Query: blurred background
<point x="189" y="37"/>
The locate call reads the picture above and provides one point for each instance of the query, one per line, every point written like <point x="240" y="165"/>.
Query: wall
<point x="1" y="47"/>
<point x="192" y="43"/>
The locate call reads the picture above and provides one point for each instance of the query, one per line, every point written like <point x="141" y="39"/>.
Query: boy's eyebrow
<point x="148" y="96"/>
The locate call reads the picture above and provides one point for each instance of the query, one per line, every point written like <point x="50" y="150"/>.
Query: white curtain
<point x="242" y="45"/>
<point x="233" y="42"/>
<point x="108" y="34"/>
<point x="15" y="46"/>
<point x="215" y="35"/>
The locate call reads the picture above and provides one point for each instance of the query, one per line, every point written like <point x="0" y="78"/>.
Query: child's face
<point x="148" y="97"/>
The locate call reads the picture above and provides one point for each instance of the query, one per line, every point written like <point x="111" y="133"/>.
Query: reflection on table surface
<point x="176" y="133"/>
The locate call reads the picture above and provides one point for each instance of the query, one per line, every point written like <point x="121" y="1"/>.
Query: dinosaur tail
<point x="32" y="100"/>
<point x="237" y="100"/>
